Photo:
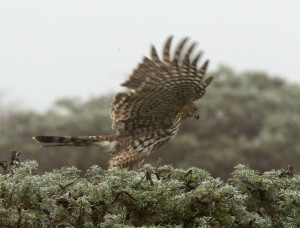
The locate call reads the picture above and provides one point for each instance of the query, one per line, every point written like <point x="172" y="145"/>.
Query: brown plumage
<point x="160" y="98"/>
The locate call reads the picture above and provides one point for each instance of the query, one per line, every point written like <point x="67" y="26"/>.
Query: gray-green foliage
<point x="155" y="196"/>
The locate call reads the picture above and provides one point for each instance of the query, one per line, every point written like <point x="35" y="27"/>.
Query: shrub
<point x="154" y="196"/>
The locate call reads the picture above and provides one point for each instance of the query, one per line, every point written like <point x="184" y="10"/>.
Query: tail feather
<point x="48" y="141"/>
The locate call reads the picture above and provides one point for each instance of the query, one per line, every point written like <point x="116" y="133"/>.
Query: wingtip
<point x="166" y="49"/>
<point x="169" y="39"/>
<point x="153" y="52"/>
<point x="178" y="50"/>
<point x="184" y="40"/>
<point x="208" y="81"/>
<point x="196" y="59"/>
<point x="205" y="65"/>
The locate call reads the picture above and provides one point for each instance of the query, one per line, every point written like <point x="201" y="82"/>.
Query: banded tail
<point x="102" y="140"/>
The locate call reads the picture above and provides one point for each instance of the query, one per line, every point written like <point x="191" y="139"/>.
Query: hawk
<point x="161" y="96"/>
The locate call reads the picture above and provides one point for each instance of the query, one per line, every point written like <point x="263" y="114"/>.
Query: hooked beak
<point x="196" y="115"/>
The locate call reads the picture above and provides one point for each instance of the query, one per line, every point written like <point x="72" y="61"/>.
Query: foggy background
<point x="52" y="49"/>
<point x="61" y="62"/>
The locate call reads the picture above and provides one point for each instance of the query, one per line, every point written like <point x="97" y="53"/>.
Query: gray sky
<point x="51" y="49"/>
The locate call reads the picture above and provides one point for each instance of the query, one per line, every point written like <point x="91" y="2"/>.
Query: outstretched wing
<point x="159" y="90"/>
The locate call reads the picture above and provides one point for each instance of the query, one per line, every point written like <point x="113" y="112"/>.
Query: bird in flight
<point x="160" y="97"/>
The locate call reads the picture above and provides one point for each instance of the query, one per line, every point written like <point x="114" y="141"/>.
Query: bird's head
<point x="190" y="110"/>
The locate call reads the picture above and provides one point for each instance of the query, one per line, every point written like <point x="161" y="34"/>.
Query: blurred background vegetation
<point x="249" y="118"/>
